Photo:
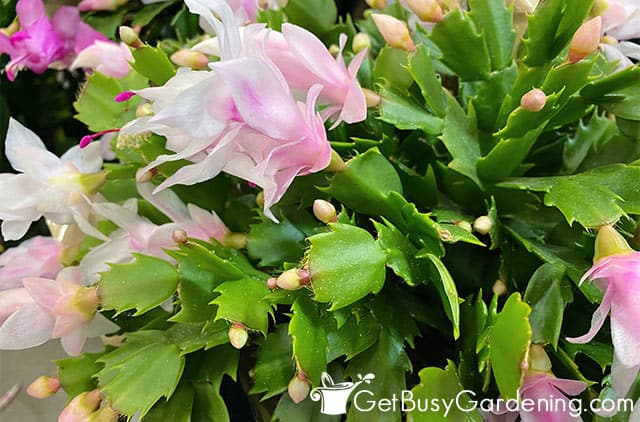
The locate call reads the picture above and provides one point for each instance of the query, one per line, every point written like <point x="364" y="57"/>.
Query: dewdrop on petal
<point x="360" y="42"/>
<point x="299" y="387"/>
<point x="426" y="10"/>
<point x="43" y="387"/>
<point x="483" y="224"/>
<point x="394" y="31"/>
<point x="533" y="100"/>
<point x="238" y="335"/>
<point x="586" y="39"/>
<point x="324" y="211"/>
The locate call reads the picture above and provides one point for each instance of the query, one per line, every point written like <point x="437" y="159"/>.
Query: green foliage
<point x="551" y="28"/>
<point x="447" y="290"/>
<point x="509" y="340"/>
<point x="274" y="363"/>
<point x="439" y="384"/>
<point x="76" y="374"/>
<point x="96" y="106"/>
<point x="155" y="276"/>
<point x="275" y="243"/>
<point x="137" y="374"/>
<point x="346" y="264"/>
<point x="153" y="63"/>
<point x="244" y="301"/>
<point x="309" y="338"/>
<point x="316" y="15"/>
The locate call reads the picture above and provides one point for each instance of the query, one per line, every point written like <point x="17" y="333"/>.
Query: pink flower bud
<point x="293" y="279"/>
<point x="499" y="288"/>
<point x="426" y="10"/>
<point x="299" y="387"/>
<point x="483" y="224"/>
<point x="43" y="387"/>
<point x="179" y="236"/>
<point x="82" y="405"/>
<point x="272" y="283"/>
<point x="129" y="36"/>
<point x="609" y="242"/>
<point x="533" y="100"/>
<point x="324" y="211"/>
<point x="586" y="39"/>
<point x="394" y="31"/>
<point x="189" y="58"/>
<point x="238" y="335"/>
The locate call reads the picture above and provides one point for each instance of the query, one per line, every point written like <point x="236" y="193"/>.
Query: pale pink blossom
<point x="617" y="274"/>
<point x="81" y="407"/>
<point x="299" y="55"/>
<point x="35" y="257"/>
<point x="136" y="234"/>
<point x="621" y="22"/>
<point x="46" y="309"/>
<point x="58" y="188"/>
<point x="108" y="58"/>
<point x="41" y="42"/>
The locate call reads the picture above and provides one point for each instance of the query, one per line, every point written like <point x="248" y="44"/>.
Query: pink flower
<point x="42" y="42"/>
<point x="621" y="22"/>
<point x="45" y="309"/>
<point x="36" y="257"/>
<point x="81" y="407"/>
<point x="542" y="396"/>
<point x="617" y="273"/>
<point x="57" y="188"/>
<point x="107" y="58"/>
<point x="299" y="55"/>
<point x="139" y="235"/>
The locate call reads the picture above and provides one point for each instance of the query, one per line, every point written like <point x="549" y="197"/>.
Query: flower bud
<point x="499" y="288"/>
<point x="445" y="235"/>
<point x="360" y="42"/>
<point x="129" y="36"/>
<point x="324" y="211"/>
<point x="235" y="240"/>
<point x="377" y="4"/>
<point x="179" y="236"/>
<point x="82" y="405"/>
<point x="272" y="283"/>
<point x="426" y="10"/>
<point x="293" y="279"/>
<point x="585" y="40"/>
<point x="334" y="50"/>
<point x="394" y="31"/>
<point x="238" y="335"/>
<point x="483" y="224"/>
<point x="43" y="387"/>
<point x="372" y="99"/>
<point x="189" y="58"/>
<point x="299" y="387"/>
<point x="533" y="100"/>
<point x="465" y="225"/>
<point x="609" y="242"/>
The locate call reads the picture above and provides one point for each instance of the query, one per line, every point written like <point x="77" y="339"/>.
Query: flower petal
<point x="598" y="317"/>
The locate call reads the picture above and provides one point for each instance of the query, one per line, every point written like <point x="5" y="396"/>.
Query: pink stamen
<point x="86" y="140"/>
<point x="124" y="96"/>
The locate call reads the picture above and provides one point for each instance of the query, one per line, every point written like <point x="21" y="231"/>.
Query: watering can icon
<point x="335" y="396"/>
